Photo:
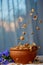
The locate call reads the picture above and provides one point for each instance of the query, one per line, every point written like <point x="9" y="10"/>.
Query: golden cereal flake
<point x="20" y="19"/>
<point x="25" y="48"/>
<point x="20" y="48"/>
<point x="17" y="47"/>
<point x="24" y="26"/>
<point x="40" y="21"/>
<point x="37" y="28"/>
<point x="27" y="44"/>
<point x="34" y="44"/>
<point x="31" y="13"/>
<point x="35" y="17"/>
<point x="30" y="47"/>
<point x="23" y="33"/>
<point x="33" y="10"/>
<point x="22" y="38"/>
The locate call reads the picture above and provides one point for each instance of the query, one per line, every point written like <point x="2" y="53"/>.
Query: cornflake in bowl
<point x="24" y="53"/>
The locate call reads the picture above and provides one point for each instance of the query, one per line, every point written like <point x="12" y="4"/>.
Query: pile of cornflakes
<point x="27" y="46"/>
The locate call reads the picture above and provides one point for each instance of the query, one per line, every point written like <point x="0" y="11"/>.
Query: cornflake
<point x="24" y="26"/>
<point x="22" y="38"/>
<point x="37" y="28"/>
<point x="31" y="13"/>
<point x="34" y="44"/>
<point x="35" y="17"/>
<point x="23" y="33"/>
<point x="20" y="19"/>
<point x="30" y="47"/>
<point x="40" y="21"/>
<point x="33" y="10"/>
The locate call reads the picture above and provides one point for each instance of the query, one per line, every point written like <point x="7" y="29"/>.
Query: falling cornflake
<point x="33" y="44"/>
<point x="24" y="26"/>
<point x="40" y="21"/>
<point x="37" y="28"/>
<point x="23" y="33"/>
<point x="33" y="10"/>
<point x="22" y="38"/>
<point x="20" y="19"/>
<point x="31" y="13"/>
<point x="35" y="17"/>
<point x="30" y="48"/>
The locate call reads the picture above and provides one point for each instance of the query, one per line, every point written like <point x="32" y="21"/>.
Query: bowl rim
<point x="24" y="50"/>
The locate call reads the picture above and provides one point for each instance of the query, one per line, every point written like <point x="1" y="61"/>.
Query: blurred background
<point x="21" y="18"/>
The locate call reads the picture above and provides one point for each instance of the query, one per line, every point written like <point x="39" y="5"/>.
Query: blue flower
<point x="5" y="57"/>
<point x="6" y="53"/>
<point x="1" y="59"/>
<point x="5" y="62"/>
<point x="12" y="61"/>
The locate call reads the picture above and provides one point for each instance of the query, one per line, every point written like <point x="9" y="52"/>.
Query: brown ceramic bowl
<point x="23" y="56"/>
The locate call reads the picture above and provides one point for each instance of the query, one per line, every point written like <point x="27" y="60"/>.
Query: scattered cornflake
<point x="22" y="38"/>
<point x="36" y="58"/>
<point x="31" y="13"/>
<point x="37" y="28"/>
<point x="15" y="48"/>
<point x="23" y="33"/>
<point x="33" y="10"/>
<point x="27" y="44"/>
<point x="34" y="44"/>
<point x="21" y="48"/>
<point x="35" y="17"/>
<point x="20" y="19"/>
<point x="24" y="26"/>
<point x="40" y="21"/>
<point x="30" y="47"/>
<point x="25" y="48"/>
